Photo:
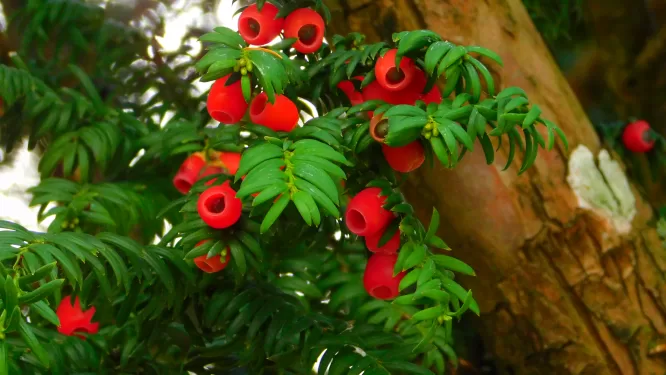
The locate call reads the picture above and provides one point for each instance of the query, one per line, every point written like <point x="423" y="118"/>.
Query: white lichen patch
<point x="603" y="189"/>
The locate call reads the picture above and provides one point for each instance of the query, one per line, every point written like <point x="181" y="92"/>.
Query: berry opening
<point x="252" y="27"/>
<point x="382" y="292"/>
<point x="216" y="205"/>
<point x="356" y="221"/>
<point x="258" y="105"/>
<point x="222" y="117"/>
<point x="395" y="76"/>
<point x="182" y="185"/>
<point x="308" y="34"/>
<point x="381" y="130"/>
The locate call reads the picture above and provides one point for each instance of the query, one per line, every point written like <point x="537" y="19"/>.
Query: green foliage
<point x="291" y="292"/>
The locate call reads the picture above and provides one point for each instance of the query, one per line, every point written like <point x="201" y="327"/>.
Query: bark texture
<point x="561" y="291"/>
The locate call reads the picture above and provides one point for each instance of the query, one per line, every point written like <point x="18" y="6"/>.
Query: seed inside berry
<point x="381" y="130"/>
<point x="254" y="27"/>
<point x="307" y="34"/>
<point x="216" y="205"/>
<point x="395" y="76"/>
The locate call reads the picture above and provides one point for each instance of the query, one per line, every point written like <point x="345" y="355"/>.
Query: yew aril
<point x="406" y="158"/>
<point x="355" y="97"/>
<point x="636" y="137"/>
<point x="365" y="214"/>
<point x="378" y="127"/>
<point x="419" y="84"/>
<point x="392" y="77"/>
<point x="281" y="116"/>
<point x="260" y="27"/>
<point x="226" y="103"/>
<point x="188" y="173"/>
<point x="218" y="206"/>
<point x="390" y="247"/>
<point x="308" y="27"/>
<point x="73" y="319"/>
<point x="378" y="278"/>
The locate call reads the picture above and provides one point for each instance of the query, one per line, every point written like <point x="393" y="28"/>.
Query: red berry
<point x="227" y="162"/>
<point x="636" y="137"/>
<point x="378" y="128"/>
<point x="406" y="158"/>
<point x="374" y="91"/>
<point x="432" y="96"/>
<point x="226" y="103"/>
<point x="419" y="84"/>
<point x="389" y="76"/>
<point x="365" y="214"/>
<point x="214" y="263"/>
<point x="218" y="206"/>
<point x="260" y="27"/>
<point x="391" y="247"/>
<point x="378" y="277"/>
<point x="355" y="97"/>
<point x="189" y="172"/>
<point x="73" y="319"/>
<point x="281" y="116"/>
<point x="306" y="25"/>
<point x="230" y="161"/>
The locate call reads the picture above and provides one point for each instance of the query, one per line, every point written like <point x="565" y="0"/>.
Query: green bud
<point x="76" y="220"/>
<point x="249" y="66"/>
<point x="244" y="71"/>
<point x="64" y="225"/>
<point x="428" y="126"/>
<point x="242" y="62"/>
<point x="435" y="132"/>
<point x="428" y="136"/>
<point x="236" y="68"/>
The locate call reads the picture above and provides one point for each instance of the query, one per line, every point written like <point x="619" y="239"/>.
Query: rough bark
<point x="561" y="290"/>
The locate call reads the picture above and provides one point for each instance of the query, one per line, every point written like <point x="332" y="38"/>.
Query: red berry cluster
<point x="402" y="84"/>
<point x="74" y="320"/>
<point x="637" y="137"/>
<point x="217" y="206"/>
<point x="258" y="27"/>
<point x="227" y="105"/>
<point x="367" y="217"/>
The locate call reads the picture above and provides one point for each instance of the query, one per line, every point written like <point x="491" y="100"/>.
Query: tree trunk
<point x="563" y="289"/>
